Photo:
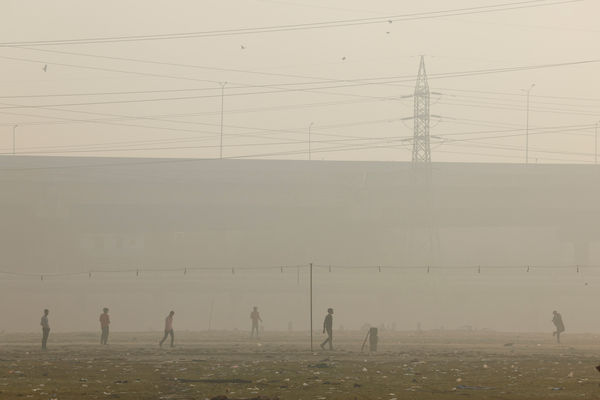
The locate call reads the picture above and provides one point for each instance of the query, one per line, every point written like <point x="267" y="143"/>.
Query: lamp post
<point x="309" y="129"/>
<point x="527" y="126"/>
<point x="14" y="136"/>
<point x="222" y="101"/>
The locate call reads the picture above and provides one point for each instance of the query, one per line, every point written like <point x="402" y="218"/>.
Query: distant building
<point x="126" y="212"/>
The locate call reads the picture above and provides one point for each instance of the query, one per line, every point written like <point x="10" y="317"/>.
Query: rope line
<point x="380" y="268"/>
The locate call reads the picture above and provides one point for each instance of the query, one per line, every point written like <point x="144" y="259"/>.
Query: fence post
<point x="311" y="307"/>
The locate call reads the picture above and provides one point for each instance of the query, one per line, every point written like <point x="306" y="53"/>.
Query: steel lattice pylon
<point x="421" y="147"/>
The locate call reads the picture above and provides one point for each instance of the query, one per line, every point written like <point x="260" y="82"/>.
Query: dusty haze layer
<point x="505" y="244"/>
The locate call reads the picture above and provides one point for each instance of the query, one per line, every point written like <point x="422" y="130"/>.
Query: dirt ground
<point x="204" y="365"/>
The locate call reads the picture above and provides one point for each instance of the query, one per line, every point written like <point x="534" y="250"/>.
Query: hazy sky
<point x="154" y="90"/>
<point x="348" y="81"/>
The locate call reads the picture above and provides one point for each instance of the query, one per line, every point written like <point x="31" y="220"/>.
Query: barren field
<point x="408" y="365"/>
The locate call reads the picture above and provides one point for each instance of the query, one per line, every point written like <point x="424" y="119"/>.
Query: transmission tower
<point x="422" y="235"/>
<point x="421" y="148"/>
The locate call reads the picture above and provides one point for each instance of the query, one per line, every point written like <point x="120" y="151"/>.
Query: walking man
<point x="168" y="329"/>
<point x="104" y="323"/>
<point x="328" y="327"/>
<point x="45" y="328"/>
<point x="558" y="323"/>
<point x="255" y="317"/>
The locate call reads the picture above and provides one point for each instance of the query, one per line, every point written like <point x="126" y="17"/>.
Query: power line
<point x="446" y="139"/>
<point x="160" y="117"/>
<point x="512" y="108"/>
<point x="294" y="131"/>
<point x="305" y="26"/>
<point x="519" y="94"/>
<point x="385" y="143"/>
<point x="184" y="271"/>
<point x="346" y="84"/>
<point x="171" y="64"/>
<point x="207" y="146"/>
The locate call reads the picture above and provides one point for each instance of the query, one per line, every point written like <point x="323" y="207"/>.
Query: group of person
<point x="104" y="323"/>
<point x="254" y="317"/>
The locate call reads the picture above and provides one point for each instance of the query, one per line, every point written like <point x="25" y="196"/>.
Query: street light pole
<point x="222" y="101"/>
<point x="14" y="136"/>
<point x="309" y="128"/>
<point x="527" y="126"/>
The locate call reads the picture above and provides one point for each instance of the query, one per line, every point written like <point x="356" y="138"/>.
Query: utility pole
<point x="222" y="101"/>
<point x="527" y="126"/>
<point x="309" y="128"/>
<point x="14" y="136"/>
<point x="421" y="147"/>
<point x="311" y="307"/>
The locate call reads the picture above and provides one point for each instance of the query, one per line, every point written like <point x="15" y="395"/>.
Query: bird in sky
<point x="343" y="58"/>
<point x="242" y="47"/>
<point x="45" y="67"/>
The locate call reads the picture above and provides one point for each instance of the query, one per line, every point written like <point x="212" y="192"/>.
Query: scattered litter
<point x="252" y="398"/>
<point x="234" y="380"/>
<point x="465" y="387"/>
<point x="320" y="365"/>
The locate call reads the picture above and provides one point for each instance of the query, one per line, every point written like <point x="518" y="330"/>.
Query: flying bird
<point x="343" y="58"/>
<point x="243" y="47"/>
<point x="45" y="67"/>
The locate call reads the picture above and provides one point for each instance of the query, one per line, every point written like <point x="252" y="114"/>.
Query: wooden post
<point x="311" y="307"/>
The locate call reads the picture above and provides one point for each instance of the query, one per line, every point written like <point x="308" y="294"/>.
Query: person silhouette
<point x="168" y="329"/>
<point x="255" y="317"/>
<point x="558" y="323"/>
<point x="328" y="327"/>
<point x="104" y="323"/>
<point x="45" y="328"/>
